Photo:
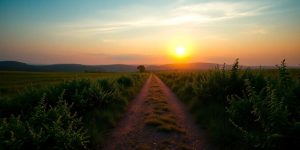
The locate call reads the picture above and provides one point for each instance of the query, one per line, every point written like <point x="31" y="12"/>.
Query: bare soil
<point x="156" y="119"/>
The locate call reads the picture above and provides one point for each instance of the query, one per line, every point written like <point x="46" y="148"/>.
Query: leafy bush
<point x="46" y="126"/>
<point x="74" y="114"/>
<point x="268" y="119"/>
<point x="242" y="108"/>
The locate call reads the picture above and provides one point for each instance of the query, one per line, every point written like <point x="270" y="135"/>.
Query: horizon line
<point x="227" y="64"/>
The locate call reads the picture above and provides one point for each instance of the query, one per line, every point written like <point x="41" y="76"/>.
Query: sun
<point x="180" y="51"/>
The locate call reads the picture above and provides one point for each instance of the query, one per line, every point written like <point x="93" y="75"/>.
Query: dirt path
<point x="156" y="119"/>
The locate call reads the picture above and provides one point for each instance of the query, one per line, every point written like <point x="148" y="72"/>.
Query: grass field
<point x="62" y="110"/>
<point x="13" y="81"/>
<point x="238" y="108"/>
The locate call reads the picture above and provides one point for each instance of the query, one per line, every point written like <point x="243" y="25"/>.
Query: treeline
<point x="243" y="109"/>
<point x="75" y="114"/>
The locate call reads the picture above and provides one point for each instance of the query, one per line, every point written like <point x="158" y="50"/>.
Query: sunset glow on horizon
<point x="150" y="32"/>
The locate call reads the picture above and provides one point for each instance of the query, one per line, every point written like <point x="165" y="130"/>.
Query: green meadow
<point x="11" y="82"/>
<point x="237" y="108"/>
<point x="62" y="110"/>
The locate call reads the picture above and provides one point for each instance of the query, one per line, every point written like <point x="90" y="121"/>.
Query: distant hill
<point x="20" y="66"/>
<point x="16" y="66"/>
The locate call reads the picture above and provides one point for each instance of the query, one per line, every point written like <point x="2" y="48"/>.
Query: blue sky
<point x="134" y="32"/>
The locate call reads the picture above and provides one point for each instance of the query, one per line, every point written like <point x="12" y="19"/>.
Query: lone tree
<point x="141" y="68"/>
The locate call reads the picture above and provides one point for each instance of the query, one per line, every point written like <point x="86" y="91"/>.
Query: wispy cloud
<point x="258" y="31"/>
<point x="222" y="10"/>
<point x="180" y="15"/>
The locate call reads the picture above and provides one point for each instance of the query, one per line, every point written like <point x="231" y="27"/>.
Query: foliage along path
<point x="156" y="119"/>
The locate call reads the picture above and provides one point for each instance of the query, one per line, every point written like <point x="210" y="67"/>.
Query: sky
<point x="261" y="32"/>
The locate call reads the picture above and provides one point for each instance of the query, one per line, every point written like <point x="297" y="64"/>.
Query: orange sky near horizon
<point x="125" y="32"/>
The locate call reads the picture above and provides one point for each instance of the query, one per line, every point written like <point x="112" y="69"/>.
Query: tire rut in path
<point x="156" y="119"/>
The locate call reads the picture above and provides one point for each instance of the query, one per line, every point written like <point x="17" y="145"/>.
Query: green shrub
<point x="74" y="114"/>
<point x="254" y="109"/>
<point x="267" y="121"/>
<point x="46" y="126"/>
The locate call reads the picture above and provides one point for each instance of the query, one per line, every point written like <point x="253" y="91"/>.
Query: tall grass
<point x="13" y="81"/>
<point x="74" y="114"/>
<point x="242" y="109"/>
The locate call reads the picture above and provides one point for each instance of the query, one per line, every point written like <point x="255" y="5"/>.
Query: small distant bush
<point x="141" y="68"/>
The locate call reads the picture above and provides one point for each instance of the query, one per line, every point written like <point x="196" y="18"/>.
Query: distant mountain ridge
<point x="20" y="66"/>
